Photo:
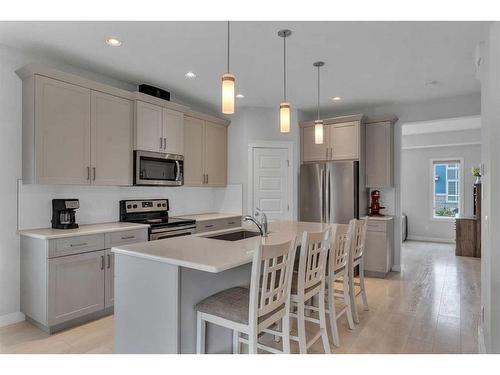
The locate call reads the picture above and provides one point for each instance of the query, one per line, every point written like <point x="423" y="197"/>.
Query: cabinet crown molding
<point x="203" y="116"/>
<point x="336" y="120"/>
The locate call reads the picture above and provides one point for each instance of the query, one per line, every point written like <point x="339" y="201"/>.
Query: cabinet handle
<point x="78" y="244"/>
<point x="231" y="222"/>
<point x="127" y="237"/>
<point x="209" y="226"/>
<point x="161" y="143"/>
<point x="207" y="178"/>
<point x="109" y="261"/>
<point x="164" y="143"/>
<point x="93" y="171"/>
<point x="102" y="262"/>
<point x="88" y="173"/>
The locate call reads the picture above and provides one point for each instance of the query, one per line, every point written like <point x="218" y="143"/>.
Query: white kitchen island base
<point x="155" y="314"/>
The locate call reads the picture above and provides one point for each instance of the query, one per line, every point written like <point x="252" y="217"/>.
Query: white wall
<point x="416" y="180"/>
<point x="98" y="204"/>
<point x="445" y="108"/>
<point x="257" y="124"/>
<point x="490" y="155"/>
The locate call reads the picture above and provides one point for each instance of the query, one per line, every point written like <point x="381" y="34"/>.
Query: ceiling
<point x="367" y="63"/>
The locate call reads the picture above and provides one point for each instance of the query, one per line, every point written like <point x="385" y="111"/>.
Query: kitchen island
<point x="158" y="284"/>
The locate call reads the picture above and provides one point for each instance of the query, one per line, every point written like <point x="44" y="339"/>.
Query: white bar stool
<point x="251" y="311"/>
<point x="308" y="284"/>
<point x="338" y="272"/>
<point x="356" y="259"/>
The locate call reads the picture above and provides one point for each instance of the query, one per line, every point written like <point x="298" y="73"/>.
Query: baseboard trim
<point x="481" y="345"/>
<point x="12" y="318"/>
<point x="396" y="268"/>
<point x="430" y="239"/>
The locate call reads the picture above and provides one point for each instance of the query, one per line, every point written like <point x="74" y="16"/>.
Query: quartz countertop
<point x="211" y="255"/>
<point x="84" y="229"/>
<point x="209" y="216"/>
<point x="383" y="218"/>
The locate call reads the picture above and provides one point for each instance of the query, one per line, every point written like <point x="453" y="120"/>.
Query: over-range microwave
<point x="158" y="169"/>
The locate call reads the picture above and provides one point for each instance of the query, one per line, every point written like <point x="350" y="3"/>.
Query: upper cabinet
<point x="158" y="129"/>
<point x="205" y="152"/>
<point x="342" y="140"/>
<point x="380" y="154"/>
<point x="75" y="135"/>
<point x="111" y="144"/>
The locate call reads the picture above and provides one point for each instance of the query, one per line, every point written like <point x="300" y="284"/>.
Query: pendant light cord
<point x="228" y="47"/>
<point x="284" y="68"/>
<point x="318" y="91"/>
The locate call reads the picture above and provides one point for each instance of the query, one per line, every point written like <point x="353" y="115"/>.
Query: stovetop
<point x="165" y="222"/>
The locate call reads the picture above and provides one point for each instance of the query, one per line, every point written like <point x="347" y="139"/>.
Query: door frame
<point x="287" y="145"/>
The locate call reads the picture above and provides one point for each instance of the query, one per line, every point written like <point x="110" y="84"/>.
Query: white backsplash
<point x="99" y="204"/>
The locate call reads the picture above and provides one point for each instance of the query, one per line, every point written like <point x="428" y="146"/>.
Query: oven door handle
<point x="165" y="235"/>
<point x="174" y="229"/>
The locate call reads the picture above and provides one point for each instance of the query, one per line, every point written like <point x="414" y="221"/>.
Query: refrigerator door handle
<point x="327" y="195"/>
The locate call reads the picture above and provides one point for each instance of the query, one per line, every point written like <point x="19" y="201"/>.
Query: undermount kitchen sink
<point x="235" y="236"/>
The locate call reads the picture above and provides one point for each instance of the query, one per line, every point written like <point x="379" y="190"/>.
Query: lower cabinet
<point x="379" y="247"/>
<point x="76" y="286"/>
<point x="109" y="279"/>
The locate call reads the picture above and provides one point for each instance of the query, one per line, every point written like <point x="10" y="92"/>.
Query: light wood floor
<point x="432" y="306"/>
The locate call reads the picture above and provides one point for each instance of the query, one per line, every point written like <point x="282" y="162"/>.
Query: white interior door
<point x="271" y="185"/>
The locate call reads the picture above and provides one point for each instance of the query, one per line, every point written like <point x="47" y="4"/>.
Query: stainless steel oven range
<point x="154" y="212"/>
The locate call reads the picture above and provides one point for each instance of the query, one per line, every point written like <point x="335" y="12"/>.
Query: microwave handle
<point x="178" y="170"/>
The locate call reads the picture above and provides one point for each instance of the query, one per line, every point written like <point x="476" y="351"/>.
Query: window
<point x="446" y="189"/>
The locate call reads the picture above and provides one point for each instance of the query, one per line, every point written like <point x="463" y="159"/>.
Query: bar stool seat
<point x="231" y="304"/>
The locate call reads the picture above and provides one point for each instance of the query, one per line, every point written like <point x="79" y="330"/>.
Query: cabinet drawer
<point x="75" y="245"/>
<point x="232" y="222"/>
<point x="208" y="226"/>
<point x="376" y="226"/>
<point x="125" y="237"/>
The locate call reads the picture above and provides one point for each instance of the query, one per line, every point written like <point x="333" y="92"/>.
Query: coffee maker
<point x="63" y="213"/>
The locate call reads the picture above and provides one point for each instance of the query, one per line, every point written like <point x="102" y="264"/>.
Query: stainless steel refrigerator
<point x="330" y="192"/>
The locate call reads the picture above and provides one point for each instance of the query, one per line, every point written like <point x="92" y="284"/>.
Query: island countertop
<point x="212" y="255"/>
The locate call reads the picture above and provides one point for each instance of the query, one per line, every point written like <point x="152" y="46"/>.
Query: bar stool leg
<point x="252" y="343"/>
<point x="236" y="342"/>
<point x="352" y="295"/>
<point x="322" y="321"/>
<point x="362" y="284"/>
<point x="200" y="334"/>
<point x="301" y="327"/>
<point x="333" y="314"/>
<point x="285" y="324"/>
<point x="347" y="302"/>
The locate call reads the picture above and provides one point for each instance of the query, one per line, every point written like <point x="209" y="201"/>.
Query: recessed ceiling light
<point x="336" y="98"/>
<point x="431" y="83"/>
<point x="240" y="96"/>
<point x="113" y="42"/>
<point x="190" y="75"/>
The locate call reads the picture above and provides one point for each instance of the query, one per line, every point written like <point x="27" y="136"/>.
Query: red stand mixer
<point x="375" y="206"/>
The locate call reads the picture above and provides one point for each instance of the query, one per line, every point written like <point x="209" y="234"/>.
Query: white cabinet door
<point x="379" y="155"/>
<point x="173" y="131"/>
<point x="62" y="128"/>
<point x="344" y="141"/>
<point x="112" y="129"/>
<point x="76" y="286"/>
<point x="310" y="150"/>
<point x="109" y="290"/>
<point x="149" y="127"/>
<point x="215" y="154"/>
<point x="194" y="152"/>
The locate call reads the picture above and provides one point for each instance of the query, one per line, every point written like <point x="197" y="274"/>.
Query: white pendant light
<point x="228" y="80"/>
<point x="318" y="124"/>
<point x="284" y="105"/>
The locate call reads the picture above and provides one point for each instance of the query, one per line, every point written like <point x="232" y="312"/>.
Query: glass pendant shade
<point x="284" y="117"/>
<point x="318" y="132"/>
<point x="228" y="94"/>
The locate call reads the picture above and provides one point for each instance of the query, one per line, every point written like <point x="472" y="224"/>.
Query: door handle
<point x="102" y="262"/>
<point x="109" y="261"/>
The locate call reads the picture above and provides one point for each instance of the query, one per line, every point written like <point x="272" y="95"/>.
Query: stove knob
<point x="158" y="205"/>
<point x="129" y="206"/>
<point x="135" y="206"/>
<point x="164" y="205"/>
